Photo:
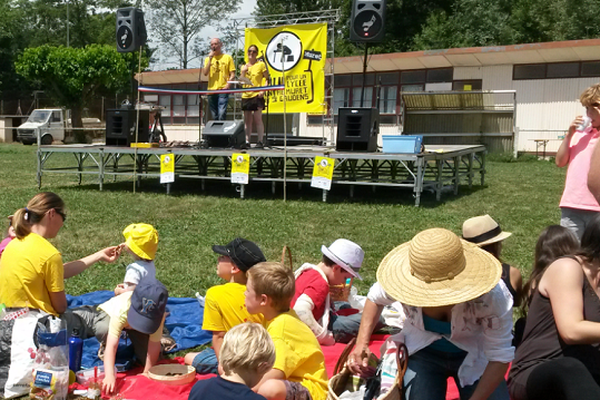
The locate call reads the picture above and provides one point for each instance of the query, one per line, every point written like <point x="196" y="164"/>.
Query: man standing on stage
<point x="219" y="68"/>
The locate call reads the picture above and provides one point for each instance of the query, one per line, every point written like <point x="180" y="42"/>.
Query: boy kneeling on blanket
<point x="141" y="313"/>
<point x="299" y="369"/>
<point x="247" y="353"/>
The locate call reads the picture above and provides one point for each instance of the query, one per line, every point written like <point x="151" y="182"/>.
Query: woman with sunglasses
<point x="253" y="103"/>
<point x="32" y="272"/>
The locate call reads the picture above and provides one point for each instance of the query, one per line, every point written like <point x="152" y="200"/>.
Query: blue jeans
<point x="206" y="362"/>
<point x="427" y="374"/>
<point x="345" y="327"/>
<point x="218" y="106"/>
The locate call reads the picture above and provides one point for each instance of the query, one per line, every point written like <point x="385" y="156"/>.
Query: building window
<point x="368" y="97"/>
<point x="193" y="105"/>
<point x="413" y="88"/>
<point x="557" y="70"/>
<point x="341" y="98"/>
<point x="563" y="70"/>
<point x="165" y="101"/>
<point x="387" y="99"/>
<point x="440" y="75"/>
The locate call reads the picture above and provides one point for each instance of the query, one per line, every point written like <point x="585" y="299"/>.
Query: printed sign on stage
<point x="298" y="53"/>
<point x="322" y="173"/>
<point x="167" y="168"/>
<point x="240" y="168"/>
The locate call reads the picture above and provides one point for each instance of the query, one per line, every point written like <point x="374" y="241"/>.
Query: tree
<point x="177" y="23"/>
<point x="74" y="76"/>
<point x="470" y="23"/>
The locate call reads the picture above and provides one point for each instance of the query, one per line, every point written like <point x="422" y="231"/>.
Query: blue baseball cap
<point x="148" y="303"/>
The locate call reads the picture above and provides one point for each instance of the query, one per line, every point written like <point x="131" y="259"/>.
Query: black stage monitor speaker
<point x="120" y="126"/>
<point x="224" y="134"/>
<point x="367" y="21"/>
<point x="357" y="129"/>
<point x="131" y="29"/>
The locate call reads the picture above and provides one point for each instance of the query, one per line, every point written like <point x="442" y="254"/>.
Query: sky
<point x="245" y="10"/>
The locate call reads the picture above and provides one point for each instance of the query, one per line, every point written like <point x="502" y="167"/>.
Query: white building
<point x="546" y="77"/>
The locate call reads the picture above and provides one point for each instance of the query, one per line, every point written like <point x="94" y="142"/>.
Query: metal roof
<point x="532" y="53"/>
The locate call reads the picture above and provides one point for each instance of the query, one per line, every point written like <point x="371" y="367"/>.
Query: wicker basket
<point x="340" y="292"/>
<point x="172" y="374"/>
<point x="342" y="374"/>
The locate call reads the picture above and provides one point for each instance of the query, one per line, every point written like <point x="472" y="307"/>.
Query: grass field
<point x="521" y="195"/>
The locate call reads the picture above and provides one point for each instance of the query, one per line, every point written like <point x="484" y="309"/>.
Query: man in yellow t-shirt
<point x="219" y="68"/>
<point x="224" y="304"/>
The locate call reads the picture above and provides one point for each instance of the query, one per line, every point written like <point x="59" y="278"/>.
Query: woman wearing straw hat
<point x="559" y="356"/>
<point x="459" y="316"/>
<point x="487" y="234"/>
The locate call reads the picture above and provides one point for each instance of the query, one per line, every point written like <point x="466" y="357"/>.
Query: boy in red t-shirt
<point x="312" y="301"/>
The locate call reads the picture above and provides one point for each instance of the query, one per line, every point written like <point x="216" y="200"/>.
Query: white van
<point x="49" y="123"/>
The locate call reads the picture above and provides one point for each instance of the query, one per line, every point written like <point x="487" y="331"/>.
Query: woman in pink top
<point x="578" y="205"/>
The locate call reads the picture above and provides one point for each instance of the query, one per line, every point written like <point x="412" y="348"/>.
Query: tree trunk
<point x="76" y="113"/>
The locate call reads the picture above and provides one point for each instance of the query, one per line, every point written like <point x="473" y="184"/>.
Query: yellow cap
<point x="142" y="240"/>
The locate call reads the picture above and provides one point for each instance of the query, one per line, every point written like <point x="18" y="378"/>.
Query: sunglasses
<point x="62" y="214"/>
<point x="252" y="51"/>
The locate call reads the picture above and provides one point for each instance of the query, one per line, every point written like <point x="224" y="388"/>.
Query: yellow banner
<point x="167" y="168"/>
<point x="240" y="167"/>
<point x="296" y="54"/>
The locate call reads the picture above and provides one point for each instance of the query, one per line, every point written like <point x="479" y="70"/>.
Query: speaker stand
<point x="364" y="74"/>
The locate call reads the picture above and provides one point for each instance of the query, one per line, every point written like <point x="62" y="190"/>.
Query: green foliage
<point x="74" y="75"/>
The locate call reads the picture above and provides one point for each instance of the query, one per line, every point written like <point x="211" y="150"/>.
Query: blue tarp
<point x="184" y="321"/>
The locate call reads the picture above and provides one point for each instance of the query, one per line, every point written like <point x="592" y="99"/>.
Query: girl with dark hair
<point x="253" y="103"/>
<point x="559" y="357"/>
<point x="32" y="272"/>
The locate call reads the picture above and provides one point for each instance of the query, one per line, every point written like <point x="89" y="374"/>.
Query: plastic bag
<point x="51" y="364"/>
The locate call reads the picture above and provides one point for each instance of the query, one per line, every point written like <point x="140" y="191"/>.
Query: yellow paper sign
<point x="240" y="168"/>
<point x="167" y="168"/>
<point x="295" y="55"/>
<point x="322" y="172"/>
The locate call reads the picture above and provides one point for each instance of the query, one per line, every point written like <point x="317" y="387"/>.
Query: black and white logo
<point x="284" y="51"/>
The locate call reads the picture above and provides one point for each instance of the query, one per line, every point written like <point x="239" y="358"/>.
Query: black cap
<point x="244" y="253"/>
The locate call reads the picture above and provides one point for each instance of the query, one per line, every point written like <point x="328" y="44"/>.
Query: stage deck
<point x="438" y="167"/>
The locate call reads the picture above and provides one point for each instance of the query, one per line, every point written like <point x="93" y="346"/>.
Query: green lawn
<point x="523" y="196"/>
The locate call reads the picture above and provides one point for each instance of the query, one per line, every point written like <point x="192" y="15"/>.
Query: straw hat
<point x="483" y="230"/>
<point x="436" y="268"/>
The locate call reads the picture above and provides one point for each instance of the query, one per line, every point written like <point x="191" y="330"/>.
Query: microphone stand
<point x="267" y="95"/>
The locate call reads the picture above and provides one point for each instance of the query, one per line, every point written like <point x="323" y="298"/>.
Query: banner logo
<point x="284" y="51"/>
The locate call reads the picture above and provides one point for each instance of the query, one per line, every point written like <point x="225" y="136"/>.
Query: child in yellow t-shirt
<point x="299" y="369"/>
<point x="224" y="304"/>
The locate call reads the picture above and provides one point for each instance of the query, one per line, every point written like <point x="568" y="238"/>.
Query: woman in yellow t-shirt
<point x="253" y="103"/>
<point x="32" y="273"/>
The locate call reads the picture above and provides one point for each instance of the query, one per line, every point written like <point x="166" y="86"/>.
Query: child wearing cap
<point x="141" y="313"/>
<point x="312" y="301"/>
<point x="299" y="370"/>
<point x="247" y="354"/>
<point x="224" y="304"/>
<point x="141" y="241"/>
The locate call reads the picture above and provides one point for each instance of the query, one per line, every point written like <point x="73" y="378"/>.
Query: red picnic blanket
<point x="132" y="386"/>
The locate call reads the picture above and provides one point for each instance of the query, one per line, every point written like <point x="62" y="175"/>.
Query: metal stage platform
<point x="440" y="166"/>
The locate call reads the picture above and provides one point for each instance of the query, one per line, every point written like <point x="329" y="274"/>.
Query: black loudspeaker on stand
<point x="120" y="126"/>
<point x="357" y="129"/>
<point x="367" y="21"/>
<point x="224" y="134"/>
<point x="131" y="29"/>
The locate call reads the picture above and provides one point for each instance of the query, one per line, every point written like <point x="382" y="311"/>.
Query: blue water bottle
<point x="75" y="351"/>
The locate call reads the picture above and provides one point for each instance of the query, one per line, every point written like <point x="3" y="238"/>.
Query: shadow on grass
<point x="295" y="192"/>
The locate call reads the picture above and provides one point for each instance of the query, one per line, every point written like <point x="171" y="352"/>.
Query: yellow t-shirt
<point x="256" y="74"/>
<point x="298" y="353"/>
<point x="220" y="68"/>
<point x="30" y="269"/>
<point x="117" y="308"/>
<point x="224" y="308"/>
